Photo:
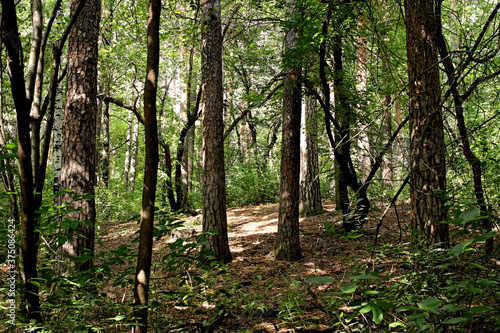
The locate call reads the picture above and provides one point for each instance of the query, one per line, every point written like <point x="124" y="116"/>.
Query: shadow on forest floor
<point x="266" y="296"/>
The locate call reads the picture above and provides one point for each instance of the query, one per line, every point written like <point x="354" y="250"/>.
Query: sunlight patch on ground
<point x="312" y="269"/>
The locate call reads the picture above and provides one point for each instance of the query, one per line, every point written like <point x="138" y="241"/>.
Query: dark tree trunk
<point x="143" y="271"/>
<point x="427" y="150"/>
<point x="287" y="246"/>
<point x="29" y="237"/>
<point x="214" y="181"/>
<point x="78" y="146"/>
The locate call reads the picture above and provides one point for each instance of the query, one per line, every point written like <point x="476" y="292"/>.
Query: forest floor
<point x="261" y="294"/>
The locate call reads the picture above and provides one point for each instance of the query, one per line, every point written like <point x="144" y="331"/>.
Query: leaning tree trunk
<point x="310" y="191"/>
<point x="79" y="131"/>
<point x="287" y="245"/>
<point x="427" y="149"/>
<point x="214" y="178"/>
<point x="143" y="271"/>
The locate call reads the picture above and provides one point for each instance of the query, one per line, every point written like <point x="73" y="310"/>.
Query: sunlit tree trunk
<point x="143" y="270"/>
<point x="56" y="144"/>
<point x="287" y="245"/>
<point x="214" y="178"/>
<point x="78" y="172"/>
<point x="365" y="158"/>
<point x="133" y="154"/>
<point x="427" y="150"/>
<point x="126" y="172"/>
<point x="310" y="191"/>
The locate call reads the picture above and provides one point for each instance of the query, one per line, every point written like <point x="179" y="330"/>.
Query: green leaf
<point x="119" y="317"/>
<point x="487" y="283"/>
<point x="475" y="290"/>
<point x="470" y="214"/>
<point x="396" y="324"/>
<point x="365" y="309"/>
<point x="452" y="308"/>
<point x="363" y="277"/>
<point x="384" y="304"/>
<point x="483" y="237"/>
<point x="377" y="313"/>
<point x="481" y="309"/>
<point x="474" y="265"/>
<point x="320" y="279"/>
<point x="370" y="292"/>
<point x="429" y="304"/>
<point x="348" y="288"/>
<point x="455" y="320"/>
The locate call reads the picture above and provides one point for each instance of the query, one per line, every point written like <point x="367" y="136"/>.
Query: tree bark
<point x="214" y="181"/>
<point x="310" y="190"/>
<point x="79" y="131"/>
<point x="287" y="245"/>
<point x="427" y="149"/>
<point x="29" y="237"/>
<point x="143" y="271"/>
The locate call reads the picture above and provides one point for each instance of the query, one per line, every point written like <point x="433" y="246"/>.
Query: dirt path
<point x="270" y="295"/>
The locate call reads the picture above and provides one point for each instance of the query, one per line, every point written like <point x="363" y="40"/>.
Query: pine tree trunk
<point x="214" y="181"/>
<point x="310" y="190"/>
<point x="287" y="245"/>
<point x="78" y="147"/>
<point x="427" y="150"/>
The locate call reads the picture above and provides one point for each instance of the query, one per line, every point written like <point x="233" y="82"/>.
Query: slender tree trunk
<point x="365" y="158"/>
<point x="310" y="190"/>
<point x="214" y="178"/>
<point x="79" y="130"/>
<point x="56" y="144"/>
<point x="29" y="237"/>
<point x="133" y="154"/>
<point x="427" y="150"/>
<point x="126" y="172"/>
<point x="143" y="271"/>
<point x="287" y="245"/>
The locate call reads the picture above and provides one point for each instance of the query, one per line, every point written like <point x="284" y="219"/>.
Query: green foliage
<point x="247" y="183"/>
<point x="454" y="289"/>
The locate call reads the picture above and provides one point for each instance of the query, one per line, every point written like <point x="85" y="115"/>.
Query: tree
<point x="78" y="169"/>
<point x="287" y="245"/>
<point x="144" y="258"/>
<point x="214" y="181"/>
<point x="427" y="149"/>
<point x="310" y="190"/>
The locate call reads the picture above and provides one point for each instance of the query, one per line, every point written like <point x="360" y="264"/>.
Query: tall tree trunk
<point x="133" y="154"/>
<point x="78" y="147"/>
<point x="214" y="178"/>
<point x="310" y="190"/>
<point x="427" y="150"/>
<point x="365" y="158"/>
<point x="287" y="245"/>
<point x="29" y="236"/>
<point x="143" y="271"/>
<point x="56" y="144"/>
<point x="126" y="172"/>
